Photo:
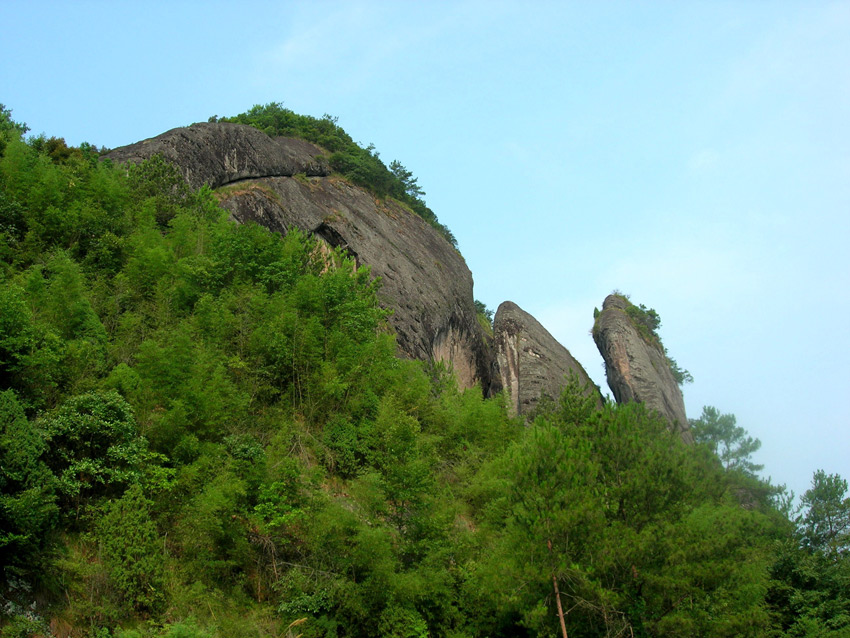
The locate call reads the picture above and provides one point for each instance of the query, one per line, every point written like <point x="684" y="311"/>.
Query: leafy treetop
<point x="8" y="127"/>
<point x="719" y="433"/>
<point x="826" y="523"/>
<point x="8" y="124"/>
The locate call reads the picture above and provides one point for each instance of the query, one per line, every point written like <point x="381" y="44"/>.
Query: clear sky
<point x="695" y="155"/>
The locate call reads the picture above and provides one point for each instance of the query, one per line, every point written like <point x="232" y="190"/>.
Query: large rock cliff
<point x="636" y="367"/>
<point x="532" y="363"/>
<point x="284" y="183"/>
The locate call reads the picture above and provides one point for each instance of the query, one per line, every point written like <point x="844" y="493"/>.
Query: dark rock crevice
<point x="335" y="240"/>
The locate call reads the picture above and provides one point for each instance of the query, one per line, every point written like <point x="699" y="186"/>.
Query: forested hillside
<point x="206" y="432"/>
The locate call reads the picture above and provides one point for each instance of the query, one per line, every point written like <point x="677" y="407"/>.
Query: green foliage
<point x="12" y="226"/>
<point x="9" y="129"/>
<point x="31" y="353"/>
<point x="210" y="526"/>
<point x="681" y="376"/>
<point x="410" y="183"/>
<point x="577" y="403"/>
<point x="810" y="591"/>
<point x="826" y="524"/>
<point x="78" y="204"/>
<point x="401" y="622"/>
<point x="93" y="446"/>
<point x="27" y="500"/>
<point x="808" y="595"/>
<point x="646" y="319"/>
<point x="728" y="441"/>
<point x="161" y="185"/>
<point x="554" y="512"/>
<point x="646" y="538"/>
<point x="23" y="626"/>
<point x="7" y="124"/>
<point x="484" y="316"/>
<point x="132" y="550"/>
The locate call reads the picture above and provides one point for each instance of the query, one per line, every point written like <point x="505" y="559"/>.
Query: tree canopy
<point x="720" y="434"/>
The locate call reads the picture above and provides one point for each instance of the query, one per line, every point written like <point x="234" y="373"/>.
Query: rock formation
<point x="217" y="154"/>
<point x="284" y="183"/>
<point x="636" y="367"/>
<point x="531" y="361"/>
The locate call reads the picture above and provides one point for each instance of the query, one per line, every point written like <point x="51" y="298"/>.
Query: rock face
<point x="638" y="370"/>
<point x="217" y="154"/>
<point x="284" y="183"/>
<point x="531" y="361"/>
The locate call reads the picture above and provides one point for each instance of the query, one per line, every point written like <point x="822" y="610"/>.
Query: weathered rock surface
<point x="638" y="370"/>
<point x="220" y="153"/>
<point x="424" y="279"/>
<point x="531" y="362"/>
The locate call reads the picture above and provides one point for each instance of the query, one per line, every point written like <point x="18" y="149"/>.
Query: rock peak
<point x="219" y="153"/>
<point x="636" y="366"/>
<point x="615" y="301"/>
<point x="531" y="361"/>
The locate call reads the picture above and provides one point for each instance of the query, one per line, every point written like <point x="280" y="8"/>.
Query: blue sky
<point x="695" y="155"/>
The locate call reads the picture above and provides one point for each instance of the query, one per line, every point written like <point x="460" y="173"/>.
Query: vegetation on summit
<point x="206" y="432"/>
<point x="647" y="322"/>
<point x="362" y="166"/>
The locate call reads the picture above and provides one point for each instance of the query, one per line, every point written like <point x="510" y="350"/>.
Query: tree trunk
<point x="560" y="609"/>
<point x="558" y="597"/>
